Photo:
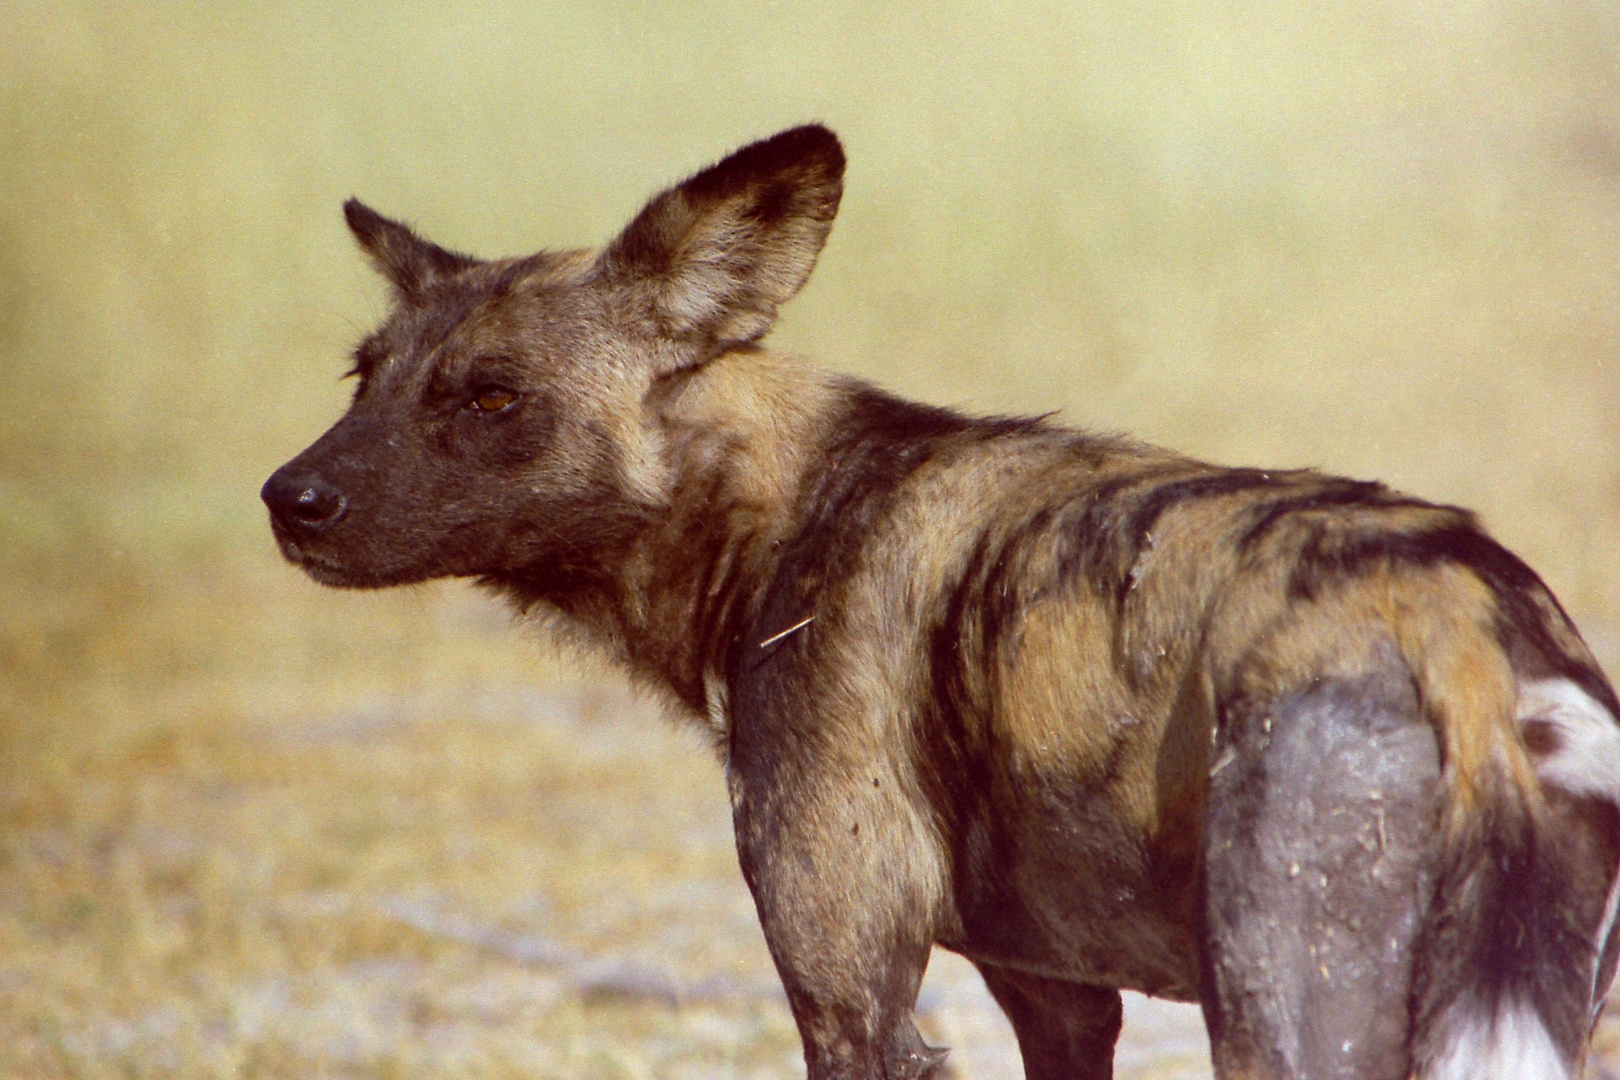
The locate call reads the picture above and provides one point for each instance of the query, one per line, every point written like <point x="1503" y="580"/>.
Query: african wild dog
<point x="1320" y="756"/>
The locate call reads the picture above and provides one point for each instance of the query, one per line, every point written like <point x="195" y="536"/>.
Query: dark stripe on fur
<point x="1092" y="529"/>
<point x="1330" y="556"/>
<point x="1332" y="494"/>
<point x="957" y="755"/>
<point x="1106" y="531"/>
<point x="1137" y="527"/>
<point x="880" y="442"/>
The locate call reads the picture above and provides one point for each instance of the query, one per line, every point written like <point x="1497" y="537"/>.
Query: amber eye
<point x="493" y="399"/>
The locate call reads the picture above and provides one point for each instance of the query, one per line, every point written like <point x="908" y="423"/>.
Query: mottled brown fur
<point x="1059" y="702"/>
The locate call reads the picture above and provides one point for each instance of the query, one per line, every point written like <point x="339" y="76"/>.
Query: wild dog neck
<point x="729" y="448"/>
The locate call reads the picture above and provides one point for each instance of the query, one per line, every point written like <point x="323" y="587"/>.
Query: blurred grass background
<point x="242" y="819"/>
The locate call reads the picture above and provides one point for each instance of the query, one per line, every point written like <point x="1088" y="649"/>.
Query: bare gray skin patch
<point x="1319" y="848"/>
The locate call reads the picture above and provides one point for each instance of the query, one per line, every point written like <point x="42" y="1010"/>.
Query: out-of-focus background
<point x="253" y="828"/>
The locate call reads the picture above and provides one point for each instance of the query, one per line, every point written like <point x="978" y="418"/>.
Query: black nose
<point x="301" y="500"/>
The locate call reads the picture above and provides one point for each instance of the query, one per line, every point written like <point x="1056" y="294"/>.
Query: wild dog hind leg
<point x="1066" y="1031"/>
<point x="1322" y="812"/>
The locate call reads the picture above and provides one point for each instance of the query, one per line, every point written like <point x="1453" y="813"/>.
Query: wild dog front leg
<point x="843" y="882"/>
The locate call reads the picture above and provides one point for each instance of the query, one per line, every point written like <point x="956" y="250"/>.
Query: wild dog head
<point x="500" y="423"/>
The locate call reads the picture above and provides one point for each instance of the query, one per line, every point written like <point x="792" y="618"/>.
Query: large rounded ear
<point x="401" y="256"/>
<point x="707" y="262"/>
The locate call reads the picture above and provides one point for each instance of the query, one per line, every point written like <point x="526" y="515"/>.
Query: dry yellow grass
<point x="473" y="881"/>
<point x="249" y="828"/>
<point x="385" y="887"/>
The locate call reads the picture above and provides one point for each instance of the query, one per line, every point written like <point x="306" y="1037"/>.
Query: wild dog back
<point x="1320" y="755"/>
